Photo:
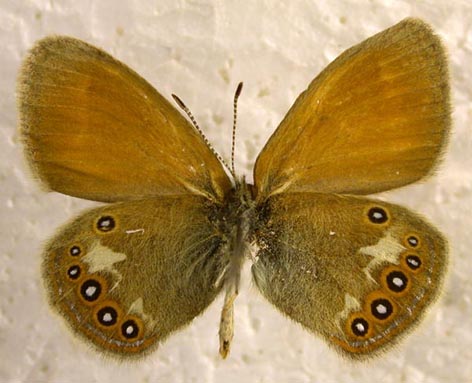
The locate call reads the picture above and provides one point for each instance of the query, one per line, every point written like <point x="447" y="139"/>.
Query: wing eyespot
<point x="131" y="328"/>
<point x="359" y="327"/>
<point x="74" y="272"/>
<point x="75" y="250"/>
<point x="395" y="281"/>
<point x="378" y="215"/>
<point x="413" y="262"/>
<point x="108" y="314"/>
<point x="92" y="289"/>
<point x="379" y="307"/>
<point x="412" y="241"/>
<point x="105" y="224"/>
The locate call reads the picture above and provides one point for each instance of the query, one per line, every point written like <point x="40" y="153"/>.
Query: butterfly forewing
<point x="95" y="129"/>
<point x="126" y="275"/>
<point x="356" y="271"/>
<point x="376" y="118"/>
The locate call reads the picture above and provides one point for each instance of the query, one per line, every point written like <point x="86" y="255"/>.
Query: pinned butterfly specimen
<point x="177" y="226"/>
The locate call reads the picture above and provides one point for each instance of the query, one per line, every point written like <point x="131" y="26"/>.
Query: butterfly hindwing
<point x="95" y="129"/>
<point x="126" y="275"/>
<point x="357" y="271"/>
<point x="375" y="119"/>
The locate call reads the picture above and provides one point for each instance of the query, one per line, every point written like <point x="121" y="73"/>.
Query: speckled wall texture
<point x="200" y="50"/>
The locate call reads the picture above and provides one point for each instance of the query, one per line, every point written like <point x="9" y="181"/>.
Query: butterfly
<point x="177" y="226"/>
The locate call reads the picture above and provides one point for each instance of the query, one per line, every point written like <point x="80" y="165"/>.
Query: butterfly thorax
<point x="235" y="215"/>
<point x="235" y="221"/>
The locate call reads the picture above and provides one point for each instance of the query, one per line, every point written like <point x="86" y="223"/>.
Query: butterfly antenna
<point x="235" y="113"/>
<point x="187" y="111"/>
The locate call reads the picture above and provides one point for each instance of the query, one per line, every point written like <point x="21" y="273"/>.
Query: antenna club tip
<point x="178" y="101"/>
<point x="239" y="89"/>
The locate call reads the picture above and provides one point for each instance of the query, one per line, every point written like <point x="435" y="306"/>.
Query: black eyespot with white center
<point x="377" y="215"/>
<point x="413" y="241"/>
<point x="107" y="316"/>
<point x="106" y="224"/>
<point x="74" y="272"/>
<point x="413" y="262"/>
<point x="75" y="251"/>
<point x="397" y="281"/>
<point x="130" y="329"/>
<point x="381" y="308"/>
<point x="360" y="327"/>
<point x="91" y="290"/>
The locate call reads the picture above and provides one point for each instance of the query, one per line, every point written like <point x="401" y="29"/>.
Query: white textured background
<point x="200" y="50"/>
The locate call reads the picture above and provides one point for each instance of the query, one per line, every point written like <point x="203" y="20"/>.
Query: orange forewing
<point x="95" y="129"/>
<point x="375" y="119"/>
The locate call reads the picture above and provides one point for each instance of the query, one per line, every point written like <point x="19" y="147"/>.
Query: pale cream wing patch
<point x="101" y="258"/>
<point x="386" y="250"/>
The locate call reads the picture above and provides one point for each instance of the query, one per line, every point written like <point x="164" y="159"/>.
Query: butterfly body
<point x="176" y="228"/>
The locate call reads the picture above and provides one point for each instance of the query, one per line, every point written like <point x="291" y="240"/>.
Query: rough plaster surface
<point x="200" y="50"/>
